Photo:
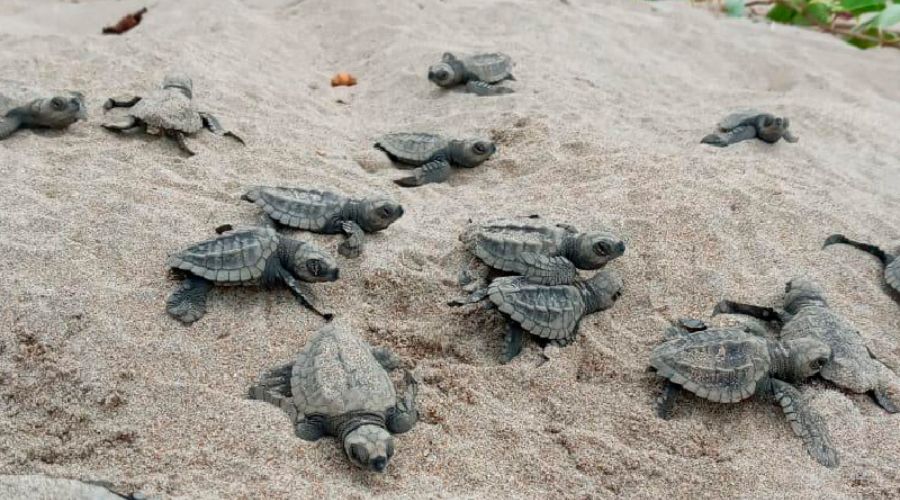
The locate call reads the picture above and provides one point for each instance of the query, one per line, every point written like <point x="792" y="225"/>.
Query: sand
<point x="612" y="98"/>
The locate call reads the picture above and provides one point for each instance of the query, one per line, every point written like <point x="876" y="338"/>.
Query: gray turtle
<point x="326" y="212"/>
<point x="746" y="125"/>
<point x="168" y="111"/>
<point x="890" y="262"/>
<point x="478" y="72"/>
<point x="339" y="386"/>
<point x="806" y="314"/>
<point x="728" y="365"/>
<point x="545" y="254"/>
<point x="52" y="112"/>
<point x="41" y="487"/>
<point x="433" y="155"/>
<point x="551" y="313"/>
<point x="256" y="256"/>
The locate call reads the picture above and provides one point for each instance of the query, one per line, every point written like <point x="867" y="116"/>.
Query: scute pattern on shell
<point x="892" y="274"/>
<point x="237" y="257"/>
<point x="308" y="209"/>
<point x="722" y="365"/>
<point x="412" y="147"/>
<point x="490" y="68"/>
<point x="501" y="243"/>
<point x="733" y="120"/>
<point x="550" y="312"/>
<point x="168" y="109"/>
<point x="336" y="373"/>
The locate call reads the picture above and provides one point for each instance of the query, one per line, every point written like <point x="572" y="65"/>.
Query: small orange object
<point x="126" y="23"/>
<point x="343" y="80"/>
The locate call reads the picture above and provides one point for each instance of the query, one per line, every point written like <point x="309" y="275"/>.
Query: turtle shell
<point x="892" y="274"/>
<point x="336" y="374"/>
<point x="499" y="244"/>
<point x="238" y="257"/>
<point x="490" y="68"/>
<point x="550" y="312"/>
<point x="307" y="209"/>
<point x="168" y="109"/>
<point x="414" y="149"/>
<point x="723" y="365"/>
<point x="734" y="120"/>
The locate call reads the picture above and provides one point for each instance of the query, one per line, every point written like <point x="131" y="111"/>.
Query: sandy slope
<point x="612" y="99"/>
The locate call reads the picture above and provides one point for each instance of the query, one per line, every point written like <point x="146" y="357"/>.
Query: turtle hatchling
<point x="338" y="385"/>
<point x="544" y="254"/>
<point x="327" y="212"/>
<point x="256" y="256"/>
<point x="479" y="73"/>
<point x="746" y="125"/>
<point x="551" y="313"/>
<point x="806" y="314"/>
<point x="728" y="365"/>
<point x="168" y="111"/>
<point x="432" y="155"/>
<point x="51" y="112"/>
<point x="890" y="262"/>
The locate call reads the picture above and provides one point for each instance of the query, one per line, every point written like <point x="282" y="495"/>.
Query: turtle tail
<point x="865" y="247"/>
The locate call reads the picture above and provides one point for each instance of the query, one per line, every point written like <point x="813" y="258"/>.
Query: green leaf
<point x="857" y="7"/>
<point x="782" y="14"/>
<point x="734" y="8"/>
<point x="887" y="18"/>
<point x="820" y="12"/>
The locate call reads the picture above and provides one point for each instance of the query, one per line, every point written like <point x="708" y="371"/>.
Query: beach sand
<point x="612" y="98"/>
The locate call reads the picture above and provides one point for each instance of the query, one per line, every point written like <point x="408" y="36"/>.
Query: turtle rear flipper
<point x="806" y="423"/>
<point x="665" y="403"/>
<point x="274" y="387"/>
<point x="486" y="89"/>
<point x="8" y="125"/>
<point x="512" y="341"/>
<point x="433" y="171"/>
<point x="737" y="134"/>
<point x="188" y="303"/>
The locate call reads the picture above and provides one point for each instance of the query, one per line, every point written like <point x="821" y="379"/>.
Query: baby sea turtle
<point x="728" y="365"/>
<point x="52" y="112"/>
<point x="745" y="125"/>
<point x="548" y="312"/>
<point x="339" y="386"/>
<point x="326" y="212"/>
<point x="477" y="72"/>
<point x="249" y="256"/>
<point x="890" y="262"/>
<point x="806" y="314"/>
<point x="41" y="487"/>
<point x="169" y="111"/>
<point x="433" y="155"/>
<point x="545" y="254"/>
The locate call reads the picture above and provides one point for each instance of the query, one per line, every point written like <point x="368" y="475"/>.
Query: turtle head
<point x="801" y="292"/>
<point x="771" y="128"/>
<point x="471" y="152"/>
<point x="594" y="249"/>
<point x="369" y="447"/>
<point x="379" y="213"/>
<point x="180" y="82"/>
<point x="56" y="112"/>
<point x="602" y="290"/>
<point x="448" y="72"/>
<point x="807" y="357"/>
<point x="312" y="265"/>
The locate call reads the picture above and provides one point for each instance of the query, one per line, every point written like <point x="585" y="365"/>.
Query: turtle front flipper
<point x="305" y="295"/>
<point x="665" y="403"/>
<point x="758" y="312"/>
<point x="887" y="388"/>
<point x="8" y="125"/>
<point x="212" y="124"/>
<point x="891" y="264"/>
<point x="512" y="341"/>
<point x="484" y="89"/>
<point x="738" y="134"/>
<point x="402" y="417"/>
<point x="546" y="270"/>
<point x="433" y="171"/>
<point x="188" y="303"/>
<point x="806" y="423"/>
<point x="121" y="102"/>
<point x="789" y="137"/>
<point x="353" y="245"/>
<point x="386" y="358"/>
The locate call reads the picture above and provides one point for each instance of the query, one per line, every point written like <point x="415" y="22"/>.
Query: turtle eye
<point x="58" y="103"/>
<point x="385" y="211"/>
<point x="390" y="450"/>
<point x="314" y="266"/>
<point x="600" y="248"/>
<point x="817" y="363"/>
<point x="359" y="453"/>
<point x="480" y="148"/>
